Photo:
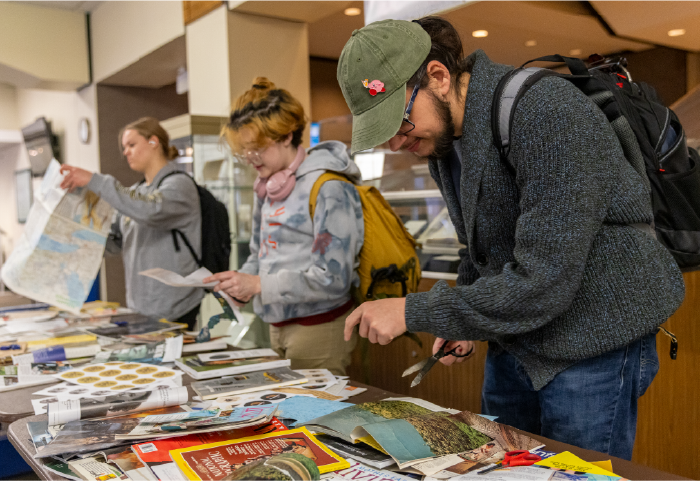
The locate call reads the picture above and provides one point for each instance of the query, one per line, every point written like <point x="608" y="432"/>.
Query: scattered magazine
<point x="151" y="353"/>
<point x="360" y="452"/>
<point x="243" y="383"/>
<point x="178" y="424"/>
<point x="215" y="461"/>
<point x="411" y="434"/>
<point x="319" y="379"/>
<point x="358" y="471"/>
<point x="93" y="469"/>
<point x="217" y="364"/>
<point x="116" y="405"/>
<point x="131" y="324"/>
<point x="156" y="454"/>
<point x="131" y="465"/>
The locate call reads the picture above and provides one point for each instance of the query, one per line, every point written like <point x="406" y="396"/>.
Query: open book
<point x="412" y="434"/>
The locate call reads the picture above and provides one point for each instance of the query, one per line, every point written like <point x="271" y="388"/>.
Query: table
<point x="19" y="437"/>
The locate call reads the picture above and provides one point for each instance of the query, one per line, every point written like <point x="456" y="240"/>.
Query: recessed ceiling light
<point x="480" y="33"/>
<point x="352" y="11"/>
<point x="531" y="43"/>
<point x="676" y="33"/>
<point x="575" y="52"/>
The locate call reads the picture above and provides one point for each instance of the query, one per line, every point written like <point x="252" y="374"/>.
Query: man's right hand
<point x="463" y="347"/>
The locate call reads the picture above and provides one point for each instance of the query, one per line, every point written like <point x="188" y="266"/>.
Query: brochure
<point x="211" y="365"/>
<point x="116" y="405"/>
<point x="255" y="381"/>
<point x="410" y="433"/>
<point x="215" y="461"/>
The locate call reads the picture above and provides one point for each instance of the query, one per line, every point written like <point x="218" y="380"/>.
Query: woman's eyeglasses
<point x="252" y="157"/>
<point x="407" y="126"/>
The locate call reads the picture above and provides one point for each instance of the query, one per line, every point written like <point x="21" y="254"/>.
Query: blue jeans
<point x="592" y="404"/>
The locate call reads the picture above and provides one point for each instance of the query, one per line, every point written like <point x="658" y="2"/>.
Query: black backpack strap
<point x="177" y="232"/>
<point x="576" y="65"/>
<point x="508" y="93"/>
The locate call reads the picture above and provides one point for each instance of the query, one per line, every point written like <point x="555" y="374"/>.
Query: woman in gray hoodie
<point x="300" y="269"/>
<point x="147" y="213"/>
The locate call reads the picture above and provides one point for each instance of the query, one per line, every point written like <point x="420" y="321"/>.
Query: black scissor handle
<point x="441" y="353"/>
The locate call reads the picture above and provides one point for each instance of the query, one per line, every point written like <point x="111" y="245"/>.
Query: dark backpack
<point x="650" y="134"/>
<point x="216" y="235"/>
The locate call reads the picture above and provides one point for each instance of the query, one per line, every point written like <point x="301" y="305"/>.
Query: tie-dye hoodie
<point x="307" y="267"/>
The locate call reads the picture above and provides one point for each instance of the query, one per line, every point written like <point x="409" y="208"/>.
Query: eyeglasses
<point x="405" y="129"/>
<point x="253" y="157"/>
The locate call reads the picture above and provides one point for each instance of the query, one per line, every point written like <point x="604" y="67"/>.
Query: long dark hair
<point x="446" y="48"/>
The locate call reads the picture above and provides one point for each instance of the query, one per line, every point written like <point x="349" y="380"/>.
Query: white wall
<point x="208" y="64"/>
<point x="8" y="108"/>
<point x="123" y="32"/>
<point x="64" y="110"/>
<point x="44" y="46"/>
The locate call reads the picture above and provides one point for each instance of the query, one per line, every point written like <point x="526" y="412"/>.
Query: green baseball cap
<point x="374" y="67"/>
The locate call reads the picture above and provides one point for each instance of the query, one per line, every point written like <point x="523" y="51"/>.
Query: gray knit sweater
<point x="553" y="272"/>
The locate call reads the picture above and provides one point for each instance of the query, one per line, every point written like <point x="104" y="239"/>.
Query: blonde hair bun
<point x="172" y="152"/>
<point x="262" y="83"/>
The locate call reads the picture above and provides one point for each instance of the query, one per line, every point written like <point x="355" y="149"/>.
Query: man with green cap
<point x="568" y="294"/>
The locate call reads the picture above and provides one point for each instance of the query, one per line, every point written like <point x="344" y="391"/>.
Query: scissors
<point x="514" y="458"/>
<point x="426" y="364"/>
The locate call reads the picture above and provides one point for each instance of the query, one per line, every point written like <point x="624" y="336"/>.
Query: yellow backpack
<point x="389" y="265"/>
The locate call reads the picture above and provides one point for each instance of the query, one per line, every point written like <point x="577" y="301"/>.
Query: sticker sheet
<point x="117" y="375"/>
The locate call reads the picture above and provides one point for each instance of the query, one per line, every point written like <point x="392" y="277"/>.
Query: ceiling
<point x="154" y="70"/>
<point x="651" y="21"/>
<point x="556" y="27"/>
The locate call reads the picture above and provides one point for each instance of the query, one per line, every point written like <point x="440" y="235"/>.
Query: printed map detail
<point x="60" y="252"/>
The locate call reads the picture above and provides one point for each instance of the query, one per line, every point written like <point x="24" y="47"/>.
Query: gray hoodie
<point x="147" y="216"/>
<point x="307" y="266"/>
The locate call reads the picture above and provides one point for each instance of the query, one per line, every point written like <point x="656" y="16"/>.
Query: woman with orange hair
<point x="300" y="269"/>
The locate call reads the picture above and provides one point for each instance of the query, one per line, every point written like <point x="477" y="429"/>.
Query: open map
<point x="60" y="252"/>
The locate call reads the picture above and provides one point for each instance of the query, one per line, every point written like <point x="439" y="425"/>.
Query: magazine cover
<point x="198" y="369"/>
<point x="254" y="381"/>
<point x="215" y="461"/>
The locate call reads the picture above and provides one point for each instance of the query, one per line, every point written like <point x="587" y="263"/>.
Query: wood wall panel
<point x="669" y="413"/>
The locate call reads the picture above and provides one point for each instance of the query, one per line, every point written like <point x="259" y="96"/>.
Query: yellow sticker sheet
<point x="117" y="375"/>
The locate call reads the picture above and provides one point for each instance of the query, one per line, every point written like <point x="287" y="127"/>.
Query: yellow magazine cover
<point x="215" y="461"/>
<point x="569" y="461"/>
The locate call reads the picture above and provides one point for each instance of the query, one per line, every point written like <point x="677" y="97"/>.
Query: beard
<point x="443" y="143"/>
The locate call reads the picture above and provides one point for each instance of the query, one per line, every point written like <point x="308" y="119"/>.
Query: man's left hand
<point x="380" y="321"/>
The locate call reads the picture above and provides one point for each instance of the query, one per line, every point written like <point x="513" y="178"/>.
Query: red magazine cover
<point x="213" y="462"/>
<point x="159" y="451"/>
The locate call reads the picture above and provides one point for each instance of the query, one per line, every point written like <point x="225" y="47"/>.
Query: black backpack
<point x="216" y="235"/>
<point x="650" y="134"/>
